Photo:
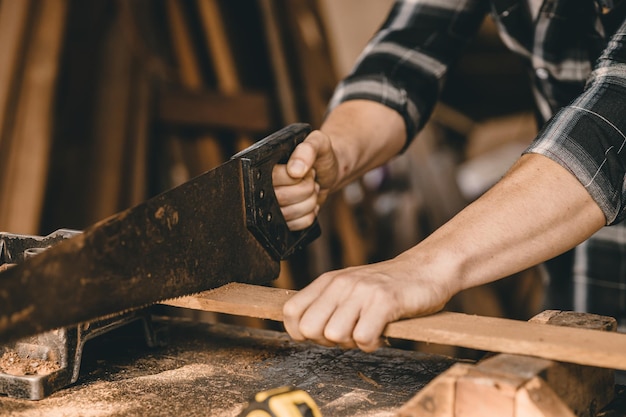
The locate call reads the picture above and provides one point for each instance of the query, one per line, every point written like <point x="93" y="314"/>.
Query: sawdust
<point x="94" y="409"/>
<point x="13" y="364"/>
<point x="356" y="402"/>
<point x="173" y="392"/>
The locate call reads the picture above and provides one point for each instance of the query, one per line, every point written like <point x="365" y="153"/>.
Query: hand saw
<point x="222" y="226"/>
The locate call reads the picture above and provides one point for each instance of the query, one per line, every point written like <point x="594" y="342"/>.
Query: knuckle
<point x="309" y="332"/>
<point x="366" y="344"/>
<point x="279" y="174"/>
<point x="298" y="224"/>
<point x="344" y="282"/>
<point x="297" y="337"/>
<point x="307" y="148"/>
<point x="279" y="192"/>
<point x="291" y="310"/>
<point x="294" y="333"/>
<point x="361" y="339"/>
<point x="336" y="336"/>
<point x="308" y="219"/>
<point x="310" y="328"/>
<point x="368" y="348"/>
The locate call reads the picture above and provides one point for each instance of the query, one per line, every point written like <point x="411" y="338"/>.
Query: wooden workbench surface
<point x="214" y="369"/>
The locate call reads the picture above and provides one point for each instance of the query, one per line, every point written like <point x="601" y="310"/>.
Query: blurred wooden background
<point x="104" y="103"/>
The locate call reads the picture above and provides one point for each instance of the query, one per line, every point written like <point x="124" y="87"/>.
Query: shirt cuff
<point x="380" y="89"/>
<point x="583" y="149"/>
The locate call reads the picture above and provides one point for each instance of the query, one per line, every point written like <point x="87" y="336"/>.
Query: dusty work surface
<point x="213" y="370"/>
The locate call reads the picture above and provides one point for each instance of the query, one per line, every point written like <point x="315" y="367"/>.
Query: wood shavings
<point x="368" y="379"/>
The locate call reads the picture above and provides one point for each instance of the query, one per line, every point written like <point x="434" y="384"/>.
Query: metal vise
<point x="62" y="347"/>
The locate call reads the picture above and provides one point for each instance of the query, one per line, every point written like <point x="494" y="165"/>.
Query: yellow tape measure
<point x="282" y="402"/>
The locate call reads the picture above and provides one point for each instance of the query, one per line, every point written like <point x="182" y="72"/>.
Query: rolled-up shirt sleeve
<point x="404" y="64"/>
<point x="588" y="137"/>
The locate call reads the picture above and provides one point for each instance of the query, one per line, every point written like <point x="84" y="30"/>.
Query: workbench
<point x="214" y="369"/>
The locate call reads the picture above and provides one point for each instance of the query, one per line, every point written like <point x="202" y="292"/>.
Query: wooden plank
<point x="13" y="21"/>
<point x="24" y="171"/>
<point x="311" y="57"/>
<point x="481" y="393"/>
<point x="188" y="66"/>
<point x="536" y="399"/>
<point x="219" y="48"/>
<point x="574" y="345"/>
<point x="438" y="397"/>
<point x="468" y="391"/>
<point x="113" y="101"/>
<point x="282" y="73"/>
<point x="517" y="385"/>
<point x="584" y="389"/>
<point x="206" y="153"/>
<point x="133" y="20"/>
<point x="239" y="299"/>
<point x="137" y="164"/>
<point x="212" y="109"/>
<point x="222" y="58"/>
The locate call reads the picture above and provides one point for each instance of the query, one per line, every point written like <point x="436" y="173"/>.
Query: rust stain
<point x="159" y="213"/>
<point x="167" y="214"/>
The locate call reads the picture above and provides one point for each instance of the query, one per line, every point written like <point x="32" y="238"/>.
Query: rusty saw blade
<point x="222" y="226"/>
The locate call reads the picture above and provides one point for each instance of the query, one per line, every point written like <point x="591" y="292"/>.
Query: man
<point x="568" y="184"/>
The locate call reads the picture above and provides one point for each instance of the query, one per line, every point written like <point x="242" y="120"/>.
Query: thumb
<point x="305" y="155"/>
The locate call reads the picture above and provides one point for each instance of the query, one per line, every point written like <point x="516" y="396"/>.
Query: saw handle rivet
<point x="30" y="252"/>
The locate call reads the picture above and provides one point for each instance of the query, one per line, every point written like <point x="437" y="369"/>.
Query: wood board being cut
<point x="574" y="345"/>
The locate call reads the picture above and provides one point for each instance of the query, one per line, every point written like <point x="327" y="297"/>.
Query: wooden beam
<point x="515" y="385"/>
<point x="216" y="110"/>
<point x="283" y="78"/>
<point x="222" y="58"/>
<point x="204" y="152"/>
<point x="24" y="169"/>
<point x="574" y="345"/>
<point x="13" y="22"/>
<point x="111" y="120"/>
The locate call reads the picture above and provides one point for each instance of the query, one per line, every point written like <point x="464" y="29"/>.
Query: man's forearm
<point x="537" y="211"/>
<point x="364" y="135"/>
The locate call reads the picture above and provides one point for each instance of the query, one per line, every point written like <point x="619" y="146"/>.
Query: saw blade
<point x="222" y="226"/>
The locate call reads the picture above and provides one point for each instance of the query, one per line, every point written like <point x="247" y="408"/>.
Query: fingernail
<point x="297" y="168"/>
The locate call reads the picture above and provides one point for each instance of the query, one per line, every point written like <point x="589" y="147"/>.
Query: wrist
<point x="439" y="265"/>
<point x="364" y="135"/>
<point x="344" y="159"/>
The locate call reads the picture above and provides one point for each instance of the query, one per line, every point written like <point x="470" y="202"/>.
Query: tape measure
<point x="282" y="402"/>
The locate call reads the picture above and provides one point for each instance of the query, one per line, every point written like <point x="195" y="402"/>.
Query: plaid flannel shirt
<point x="575" y="52"/>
